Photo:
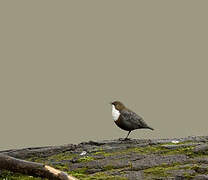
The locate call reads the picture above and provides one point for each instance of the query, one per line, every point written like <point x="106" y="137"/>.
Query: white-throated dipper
<point x="127" y="119"/>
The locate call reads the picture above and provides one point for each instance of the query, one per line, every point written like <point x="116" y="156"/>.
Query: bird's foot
<point x="127" y="139"/>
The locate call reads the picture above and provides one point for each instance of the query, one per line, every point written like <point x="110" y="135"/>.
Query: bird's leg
<point x="127" y="135"/>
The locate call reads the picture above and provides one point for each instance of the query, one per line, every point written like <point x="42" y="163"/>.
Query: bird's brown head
<point x="118" y="105"/>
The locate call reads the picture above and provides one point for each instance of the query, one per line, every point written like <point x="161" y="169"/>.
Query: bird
<point x="126" y="119"/>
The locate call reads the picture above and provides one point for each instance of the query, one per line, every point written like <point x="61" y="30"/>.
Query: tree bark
<point x="32" y="168"/>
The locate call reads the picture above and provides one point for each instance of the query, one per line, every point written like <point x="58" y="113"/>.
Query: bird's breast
<point x="115" y="113"/>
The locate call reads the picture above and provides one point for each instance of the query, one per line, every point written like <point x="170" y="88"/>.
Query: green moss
<point x="130" y="165"/>
<point x="62" y="156"/>
<point x="156" y="171"/>
<point x="160" y="171"/>
<point x="146" y="150"/>
<point x="186" y="150"/>
<point x="16" y="176"/>
<point x="103" y="153"/>
<point x="194" y="167"/>
<point x="183" y="150"/>
<point x="199" y="169"/>
<point x="109" y="167"/>
<point x="62" y="167"/>
<point x="37" y="159"/>
<point x="103" y="176"/>
<point x="188" y="176"/>
<point x="54" y="158"/>
<point x="153" y="149"/>
<point x="79" y="173"/>
<point x="141" y="150"/>
<point x="85" y="159"/>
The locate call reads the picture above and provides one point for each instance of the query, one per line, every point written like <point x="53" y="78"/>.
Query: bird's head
<point x="118" y="105"/>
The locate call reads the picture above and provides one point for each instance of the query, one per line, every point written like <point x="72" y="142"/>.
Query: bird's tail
<point x="148" y="127"/>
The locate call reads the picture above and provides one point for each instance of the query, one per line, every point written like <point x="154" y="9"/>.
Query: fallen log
<point x="32" y="168"/>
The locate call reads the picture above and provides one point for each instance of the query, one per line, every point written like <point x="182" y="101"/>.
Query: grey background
<point x="62" y="62"/>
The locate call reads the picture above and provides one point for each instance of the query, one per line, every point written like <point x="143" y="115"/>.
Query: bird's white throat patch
<point x="115" y="113"/>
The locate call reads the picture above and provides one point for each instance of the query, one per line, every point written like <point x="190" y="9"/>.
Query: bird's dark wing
<point x="133" y="118"/>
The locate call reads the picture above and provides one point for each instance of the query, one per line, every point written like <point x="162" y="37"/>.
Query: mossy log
<point x="32" y="168"/>
<point x="177" y="158"/>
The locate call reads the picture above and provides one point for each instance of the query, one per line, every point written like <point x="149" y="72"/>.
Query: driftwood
<point x="32" y="168"/>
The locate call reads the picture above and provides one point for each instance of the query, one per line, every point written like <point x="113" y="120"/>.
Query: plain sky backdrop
<point x="62" y="62"/>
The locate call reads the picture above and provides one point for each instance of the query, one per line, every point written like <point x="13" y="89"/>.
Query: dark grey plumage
<point x="132" y="120"/>
<point x="129" y="120"/>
